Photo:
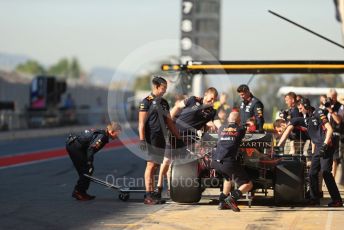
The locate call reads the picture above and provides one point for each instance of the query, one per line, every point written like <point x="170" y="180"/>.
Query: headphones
<point x="305" y="102"/>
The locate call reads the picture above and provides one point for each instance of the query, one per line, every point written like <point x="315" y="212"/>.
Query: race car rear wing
<point x="258" y="67"/>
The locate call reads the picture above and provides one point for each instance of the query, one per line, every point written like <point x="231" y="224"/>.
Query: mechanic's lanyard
<point x="157" y="106"/>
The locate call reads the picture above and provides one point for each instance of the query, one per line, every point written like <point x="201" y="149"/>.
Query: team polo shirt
<point x="315" y="125"/>
<point x="155" y="106"/>
<point x="252" y="108"/>
<point x="195" y="114"/>
<point x="230" y="137"/>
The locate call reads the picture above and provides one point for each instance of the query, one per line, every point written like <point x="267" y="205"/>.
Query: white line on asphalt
<point x="329" y="220"/>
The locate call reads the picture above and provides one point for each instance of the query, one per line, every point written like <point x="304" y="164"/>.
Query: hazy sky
<point x="105" y="32"/>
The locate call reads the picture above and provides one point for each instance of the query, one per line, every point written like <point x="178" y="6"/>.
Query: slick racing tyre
<point x="185" y="182"/>
<point x="289" y="183"/>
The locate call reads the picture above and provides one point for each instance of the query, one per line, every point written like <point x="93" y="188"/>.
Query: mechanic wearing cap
<point x="226" y="163"/>
<point x="153" y="117"/>
<point x="81" y="149"/>
<point x="250" y="107"/>
<point x="320" y="132"/>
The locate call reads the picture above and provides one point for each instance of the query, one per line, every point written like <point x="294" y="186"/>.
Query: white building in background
<point x="310" y="91"/>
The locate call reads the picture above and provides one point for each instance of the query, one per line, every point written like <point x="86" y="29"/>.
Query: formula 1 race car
<point x="268" y="169"/>
<point x="286" y="175"/>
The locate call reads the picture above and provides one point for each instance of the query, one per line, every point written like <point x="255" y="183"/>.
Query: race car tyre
<point x="185" y="182"/>
<point x="289" y="183"/>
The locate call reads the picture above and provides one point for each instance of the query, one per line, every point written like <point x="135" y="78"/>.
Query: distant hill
<point x="101" y="76"/>
<point x="9" y="62"/>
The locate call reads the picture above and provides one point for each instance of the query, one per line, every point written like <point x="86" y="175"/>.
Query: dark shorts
<point x="231" y="170"/>
<point x="156" y="148"/>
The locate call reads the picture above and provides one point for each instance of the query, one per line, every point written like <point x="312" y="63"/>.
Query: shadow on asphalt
<point x="268" y="202"/>
<point x="38" y="196"/>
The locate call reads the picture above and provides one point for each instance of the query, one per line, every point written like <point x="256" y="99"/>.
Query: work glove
<point x="180" y="143"/>
<point x="90" y="167"/>
<point x="143" y="145"/>
<point x="199" y="134"/>
<point x="323" y="150"/>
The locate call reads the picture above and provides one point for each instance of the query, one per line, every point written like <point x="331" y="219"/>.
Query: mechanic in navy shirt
<point x="298" y="137"/>
<point x="81" y="149"/>
<point x="190" y="113"/>
<point x="195" y="112"/>
<point x="292" y="111"/>
<point x="250" y="107"/>
<point x="320" y="132"/>
<point x="154" y="116"/>
<point x="226" y="163"/>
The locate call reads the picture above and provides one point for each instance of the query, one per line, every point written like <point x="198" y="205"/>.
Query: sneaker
<point x="337" y="203"/>
<point x="91" y="196"/>
<point x="156" y="195"/>
<point x="232" y="204"/>
<point x="82" y="196"/>
<point x="223" y="206"/>
<point x="161" y="201"/>
<point x="150" y="200"/>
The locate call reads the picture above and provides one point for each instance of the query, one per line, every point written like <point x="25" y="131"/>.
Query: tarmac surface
<point x="37" y="195"/>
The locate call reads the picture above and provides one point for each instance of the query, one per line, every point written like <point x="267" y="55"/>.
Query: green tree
<point x="266" y="90"/>
<point x="142" y="82"/>
<point x="31" y="67"/>
<point x="61" y="68"/>
<point x="317" y="80"/>
<point x="74" y="71"/>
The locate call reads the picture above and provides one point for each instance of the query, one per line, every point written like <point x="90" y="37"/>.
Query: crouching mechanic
<point x="81" y="149"/>
<point x="320" y="132"/>
<point x="226" y="163"/>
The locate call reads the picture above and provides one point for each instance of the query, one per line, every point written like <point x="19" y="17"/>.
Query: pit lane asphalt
<point x="38" y="196"/>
